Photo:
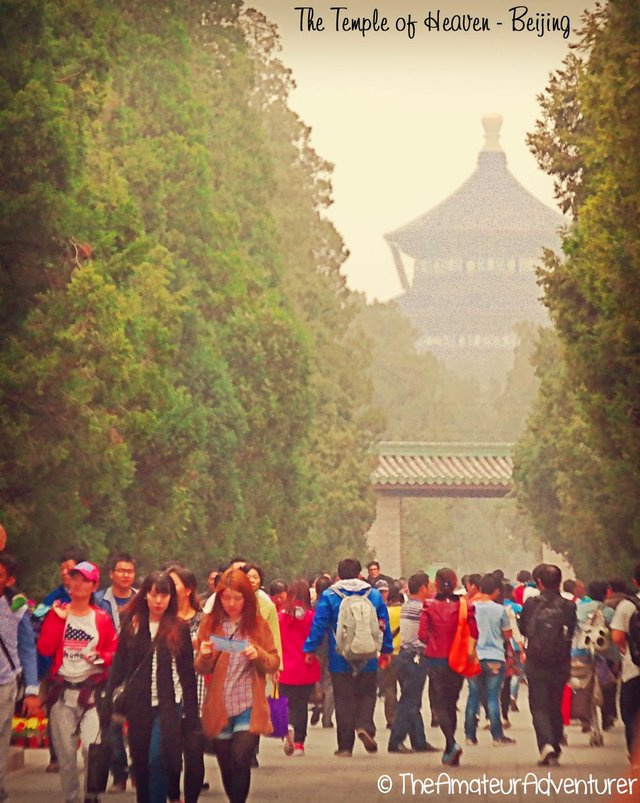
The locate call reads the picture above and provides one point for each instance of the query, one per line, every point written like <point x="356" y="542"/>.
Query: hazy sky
<point x="400" y="118"/>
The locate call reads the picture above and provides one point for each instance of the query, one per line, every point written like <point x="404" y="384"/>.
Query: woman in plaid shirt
<point x="237" y="649"/>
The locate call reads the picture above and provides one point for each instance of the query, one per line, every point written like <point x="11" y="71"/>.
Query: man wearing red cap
<point x="82" y="641"/>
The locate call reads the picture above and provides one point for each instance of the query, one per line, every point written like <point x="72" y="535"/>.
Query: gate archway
<point x="436" y="470"/>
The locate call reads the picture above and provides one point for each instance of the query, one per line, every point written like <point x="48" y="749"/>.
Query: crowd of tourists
<point x="164" y="675"/>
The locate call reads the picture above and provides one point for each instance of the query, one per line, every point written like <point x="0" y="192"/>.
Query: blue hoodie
<point x="326" y="619"/>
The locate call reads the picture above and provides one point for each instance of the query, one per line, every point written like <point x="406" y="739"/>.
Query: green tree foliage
<point x="177" y="375"/>
<point x="579" y="465"/>
<point x="341" y="426"/>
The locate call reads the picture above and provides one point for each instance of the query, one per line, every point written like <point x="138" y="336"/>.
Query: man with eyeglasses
<point x="122" y="572"/>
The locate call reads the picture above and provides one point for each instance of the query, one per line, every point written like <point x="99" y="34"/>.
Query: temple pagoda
<point x="474" y="259"/>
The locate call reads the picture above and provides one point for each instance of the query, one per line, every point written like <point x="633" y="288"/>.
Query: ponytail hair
<point x="446" y="582"/>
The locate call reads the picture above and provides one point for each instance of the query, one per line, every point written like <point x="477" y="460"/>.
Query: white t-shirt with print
<point x="80" y="639"/>
<point x="623" y="613"/>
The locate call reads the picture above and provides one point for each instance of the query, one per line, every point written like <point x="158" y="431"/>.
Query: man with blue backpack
<point x="356" y="618"/>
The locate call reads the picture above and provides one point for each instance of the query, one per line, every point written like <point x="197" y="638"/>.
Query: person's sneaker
<point x="367" y="740"/>
<point x="287" y="742"/>
<point x="315" y="715"/>
<point x="343" y="753"/>
<point x="513" y="704"/>
<point x="117" y="787"/>
<point x="546" y="751"/>
<point x="471" y="742"/>
<point x="452" y="758"/>
<point x="298" y="749"/>
<point x="327" y="724"/>
<point x="401" y="748"/>
<point x="503" y="741"/>
<point x="506" y="724"/>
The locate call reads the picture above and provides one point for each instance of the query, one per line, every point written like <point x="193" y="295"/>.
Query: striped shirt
<point x="177" y="687"/>
<point x="409" y="623"/>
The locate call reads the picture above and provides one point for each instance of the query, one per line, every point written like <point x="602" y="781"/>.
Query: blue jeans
<point x="158" y="777"/>
<point x="488" y="682"/>
<point x="408" y="719"/>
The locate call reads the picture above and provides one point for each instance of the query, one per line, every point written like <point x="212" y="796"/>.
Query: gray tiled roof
<point x="490" y="215"/>
<point x="443" y="464"/>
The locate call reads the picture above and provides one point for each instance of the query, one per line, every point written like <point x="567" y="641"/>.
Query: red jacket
<point x="293" y="634"/>
<point x="52" y="635"/>
<point x="438" y="625"/>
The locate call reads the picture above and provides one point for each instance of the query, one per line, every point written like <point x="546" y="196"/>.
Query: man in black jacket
<point x="548" y="622"/>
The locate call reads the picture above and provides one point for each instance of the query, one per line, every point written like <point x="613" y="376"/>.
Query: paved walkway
<point x="320" y="777"/>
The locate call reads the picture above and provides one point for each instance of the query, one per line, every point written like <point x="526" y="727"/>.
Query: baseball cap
<point x="88" y="570"/>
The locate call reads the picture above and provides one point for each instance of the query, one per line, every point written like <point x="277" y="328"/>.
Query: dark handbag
<point x="119" y="703"/>
<point x="98" y="764"/>
<point x="279" y="713"/>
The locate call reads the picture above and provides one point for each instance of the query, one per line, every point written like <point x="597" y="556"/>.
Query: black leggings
<point x="446" y="685"/>
<point x="298" y="697"/>
<point x="234" y="759"/>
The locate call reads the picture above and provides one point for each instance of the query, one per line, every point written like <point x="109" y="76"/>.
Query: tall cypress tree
<point x="588" y="139"/>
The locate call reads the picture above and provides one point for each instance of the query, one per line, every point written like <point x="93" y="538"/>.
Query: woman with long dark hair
<point x="438" y="625"/>
<point x="298" y="675"/>
<point x="190" y="612"/>
<point x="237" y="649"/>
<point x="155" y="660"/>
<point x="189" y="609"/>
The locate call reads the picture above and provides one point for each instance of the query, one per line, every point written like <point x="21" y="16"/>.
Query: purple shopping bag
<point x="279" y="712"/>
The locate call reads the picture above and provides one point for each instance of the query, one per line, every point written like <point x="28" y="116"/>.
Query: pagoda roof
<point x="441" y="469"/>
<point x="490" y="215"/>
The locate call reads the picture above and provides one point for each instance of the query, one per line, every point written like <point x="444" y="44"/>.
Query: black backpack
<point x="633" y="636"/>
<point x="548" y="636"/>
